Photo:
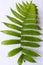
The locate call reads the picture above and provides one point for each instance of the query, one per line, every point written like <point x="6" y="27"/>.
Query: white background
<point x="5" y="6"/>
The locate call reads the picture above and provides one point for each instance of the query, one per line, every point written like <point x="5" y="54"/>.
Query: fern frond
<point x="27" y="18"/>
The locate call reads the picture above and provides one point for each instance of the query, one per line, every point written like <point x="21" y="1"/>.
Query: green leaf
<point x="12" y="26"/>
<point x="14" y="20"/>
<point x="26" y="18"/>
<point x="27" y="3"/>
<point x="9" y="32"/>
<point x="30" y="44"/>
<point x="31" y="20"/>
<point x="23" y="8"/>
<point x="17" y="15"/>
<point x="29" y="58"/>
<point x="20" y="10"/>
<point x="32" y="9"/>
<point x="30" y="38"/>
<point x="29" y="52"/>
<point x="36" y="27"/>
<point x="14" y="52"/>
<point x="31" y="32"/>
<point x="32" y="14"/>
<point x="10" y="42"/>
<point x="36" y="9"/>
<point x="20" y="60"/>
<point x="24" y="4"/>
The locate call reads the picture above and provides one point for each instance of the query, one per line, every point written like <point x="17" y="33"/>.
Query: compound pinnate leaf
<point x="27" y="18"/>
